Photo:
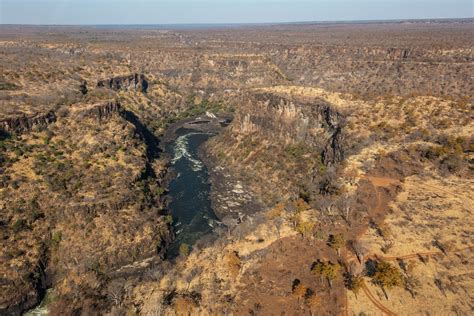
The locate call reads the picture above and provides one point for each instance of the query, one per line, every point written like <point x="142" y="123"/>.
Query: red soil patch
<point x="268" y="289"/>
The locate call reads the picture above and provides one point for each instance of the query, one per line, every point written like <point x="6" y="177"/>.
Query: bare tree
<point x="230" y="223"/>
<point x="345" y="206"/>
<point x="115" y="292"/>
<point x="360" y="250"/>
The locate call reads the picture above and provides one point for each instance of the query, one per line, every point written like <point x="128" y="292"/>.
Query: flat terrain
<point x="343" y="182"/>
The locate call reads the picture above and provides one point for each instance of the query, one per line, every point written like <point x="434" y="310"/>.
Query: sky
<point x="224" y="11"/>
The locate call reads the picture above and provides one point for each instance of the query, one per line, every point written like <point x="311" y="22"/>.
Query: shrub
<point x="184" y="250"/>
<point x="8" y="86"/>
<point x="299" y="290"/>
<point x="168" y="219"/>
<point x="301" y="205"/>
<point x="296" y="151"/>
<point x="233" y="263"/>
<point x="159" y="191"/>
<point x="19" y="225"/>
<point x="56" y="239"/>
<point x="276" y="211"/>
<point x="305" y="227"/>
<point x="313" y="301"/>
<point x="184" y="306"/>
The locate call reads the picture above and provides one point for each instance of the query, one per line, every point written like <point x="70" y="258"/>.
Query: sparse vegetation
<point x="343" y="131"/>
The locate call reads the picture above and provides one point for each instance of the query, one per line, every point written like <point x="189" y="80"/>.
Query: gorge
<point x="298" y="168"/>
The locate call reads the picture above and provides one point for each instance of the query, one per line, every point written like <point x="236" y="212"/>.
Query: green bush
<point x="56" y="239"/>
<point x="296" y="151"/>
<point x="19" y="225"/>
<point x="184" y="250"/>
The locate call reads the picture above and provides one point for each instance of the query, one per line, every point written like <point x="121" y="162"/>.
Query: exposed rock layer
<point x="295" y="122"/>
<point x="131" y="82"/>
<point x="25" y="123"/>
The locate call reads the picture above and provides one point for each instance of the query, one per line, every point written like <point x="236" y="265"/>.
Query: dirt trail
<point x="380" y="204"/>
<point x="377" y="182"/>
<point x="382" y="181"/>
<point x="346" y="302"/>
<point x="416" y="255"/>
<point x="374" y="300"/>
<point x="443" y="190"/>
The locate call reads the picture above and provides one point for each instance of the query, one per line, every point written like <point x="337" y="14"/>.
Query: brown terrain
<point x="343" y="183"/>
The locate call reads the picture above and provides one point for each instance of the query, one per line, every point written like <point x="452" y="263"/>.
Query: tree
<point x="313" y="302"/>
<point x="299" y="290"/>
<point x="326" y="270"/>
<point x="230" y="223"/>
<point x="337" y="241"/>
<point x="345" y="206"/>
<point x="354" y="282"/>
<point x="359" y="249"/>
<point x="387" y="276"/>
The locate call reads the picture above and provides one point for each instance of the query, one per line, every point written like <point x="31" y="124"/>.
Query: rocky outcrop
<point x="102" y="111"/>
<point x="136" y="82"/>
<point x="30" y="293"/>
<point x="317" y="124"/>
<point x="280" y="142"/>
<point x="23" y="124"/>
<point x="107" y="110"/>
<point x="333" y="151"/>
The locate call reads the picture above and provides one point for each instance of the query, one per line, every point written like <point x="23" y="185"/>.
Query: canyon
<point x="302" y="169"/>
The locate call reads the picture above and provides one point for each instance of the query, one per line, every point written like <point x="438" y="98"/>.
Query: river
<point x="189" y="191"/>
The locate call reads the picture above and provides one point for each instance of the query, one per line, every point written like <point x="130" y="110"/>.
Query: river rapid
<point x="189" y="191"/>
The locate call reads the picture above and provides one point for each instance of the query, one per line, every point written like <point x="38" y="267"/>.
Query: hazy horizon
<point x="245" y="23"/>
<point x="195" y="12"/>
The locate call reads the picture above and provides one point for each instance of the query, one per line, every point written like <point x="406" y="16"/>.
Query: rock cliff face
<point x="25" y="124"/>
<point x="316" y="125"/>
<point x="104" y="111"/>
<point x="40" y="247"/>
<point x="281" y="143"/>
<point x="131" y="82"/>
<point x="333" y="151"/>
<point x="35" y="288"/>
<point x="18" y="125"/>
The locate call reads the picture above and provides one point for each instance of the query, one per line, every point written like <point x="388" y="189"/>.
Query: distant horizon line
<point x="470" y="19"/>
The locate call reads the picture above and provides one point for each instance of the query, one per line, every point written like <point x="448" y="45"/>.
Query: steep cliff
<point x="81" y="204"/>
<point x="135" y="81"/>
<point x="281" y="143"/>
<point x="101" y="111"/>
<point x="26" y="123"/>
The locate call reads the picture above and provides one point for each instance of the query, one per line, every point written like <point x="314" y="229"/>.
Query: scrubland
<point x="353" y="141"/>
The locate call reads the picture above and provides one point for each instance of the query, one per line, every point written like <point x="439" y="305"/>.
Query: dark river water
<point x="190" y="204"/>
